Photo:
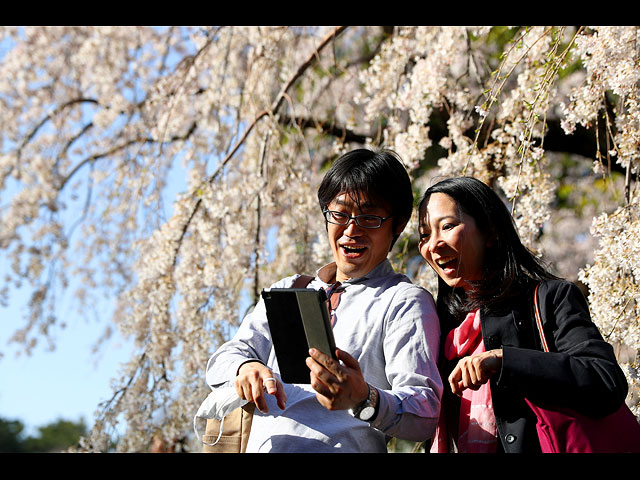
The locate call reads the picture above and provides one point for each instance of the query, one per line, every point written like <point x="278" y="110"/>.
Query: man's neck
<point x="329" y="274"/>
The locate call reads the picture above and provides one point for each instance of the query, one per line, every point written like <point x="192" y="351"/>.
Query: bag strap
<point x="302" y="281"/>
<point x="543" y="339"/>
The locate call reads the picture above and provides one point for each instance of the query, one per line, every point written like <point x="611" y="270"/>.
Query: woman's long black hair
<point x="509" y="266"/>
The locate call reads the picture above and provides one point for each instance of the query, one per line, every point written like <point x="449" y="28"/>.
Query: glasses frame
<point x="357" y="218"/>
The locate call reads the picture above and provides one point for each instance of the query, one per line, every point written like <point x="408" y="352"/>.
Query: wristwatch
<point x="367" y="409"/>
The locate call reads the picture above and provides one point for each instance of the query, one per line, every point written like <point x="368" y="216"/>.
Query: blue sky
<point x="66" y="383"/>
<point x="70" y="381"/>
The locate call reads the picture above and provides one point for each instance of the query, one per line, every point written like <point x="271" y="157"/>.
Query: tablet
<point x="298" y="320"/>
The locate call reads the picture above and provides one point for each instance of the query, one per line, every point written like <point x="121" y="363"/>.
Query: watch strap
<point x="367" y="409"/>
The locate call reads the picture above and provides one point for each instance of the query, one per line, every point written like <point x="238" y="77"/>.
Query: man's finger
<point x="270" y="385"/>
<point x="320" y="357"/>
<point x="347" y="359"/>
<point x="273" y="386"/>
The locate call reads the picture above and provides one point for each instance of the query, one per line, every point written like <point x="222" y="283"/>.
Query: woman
<point x="491" y="353"/>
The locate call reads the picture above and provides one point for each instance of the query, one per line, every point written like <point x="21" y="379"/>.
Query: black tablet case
<point x="298" y="320"/>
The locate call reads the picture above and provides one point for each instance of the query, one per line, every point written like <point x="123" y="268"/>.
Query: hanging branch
<point x="280" y="98"/>
<point x="256" y="251"/>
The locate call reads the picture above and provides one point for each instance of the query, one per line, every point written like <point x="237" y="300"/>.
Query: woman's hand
<point x="475" y="370"/>
<point x="339" y="386"/>
<point x="254" y="380"/>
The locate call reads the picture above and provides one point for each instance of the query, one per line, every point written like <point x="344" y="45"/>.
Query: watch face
<point x="367" y="413"/>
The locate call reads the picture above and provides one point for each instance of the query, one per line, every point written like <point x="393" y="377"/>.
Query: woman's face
<point x="450" y="241"/>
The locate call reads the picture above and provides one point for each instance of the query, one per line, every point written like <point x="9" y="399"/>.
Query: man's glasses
<point x="365" y="221"/>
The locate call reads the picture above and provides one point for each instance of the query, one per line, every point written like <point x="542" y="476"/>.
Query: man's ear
<point x="401" y="226"/>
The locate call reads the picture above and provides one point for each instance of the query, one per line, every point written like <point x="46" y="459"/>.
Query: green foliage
<point x="10" y="432"/>
<point x="54" y="437"/>
<point x="397" y="445"/>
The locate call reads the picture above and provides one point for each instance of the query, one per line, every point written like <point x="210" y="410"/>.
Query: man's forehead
<point x="361" y="200"/>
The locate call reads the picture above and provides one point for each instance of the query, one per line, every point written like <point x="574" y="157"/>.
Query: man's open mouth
<point x="352" y="249"/>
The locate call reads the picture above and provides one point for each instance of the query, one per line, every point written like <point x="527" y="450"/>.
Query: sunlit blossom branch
<point x="549" y="75"/>
<point x="48" y="117"/>
<point x="256" y="250"/>
<point x="186" y="64"/>
<point x="280" y="98"/>
<point x="329" y="127"/>
<point x="493" y="94"/>
<point x="117" y="148"/>
<point x="118" y="393"/>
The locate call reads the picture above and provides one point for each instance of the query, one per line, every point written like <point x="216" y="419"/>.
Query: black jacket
<point x="580" y="371"/>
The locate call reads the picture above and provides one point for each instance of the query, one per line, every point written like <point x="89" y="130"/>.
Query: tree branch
<point x="49" y="117"/>
<point x="327" y="127"/>
<point x="117" y="148"/>
<point x="280" y="98"/>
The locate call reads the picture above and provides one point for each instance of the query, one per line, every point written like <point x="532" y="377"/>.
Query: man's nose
<point x="352" y="227"/>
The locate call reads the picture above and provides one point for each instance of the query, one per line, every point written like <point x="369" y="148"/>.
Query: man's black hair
<point x="377" y="175"/>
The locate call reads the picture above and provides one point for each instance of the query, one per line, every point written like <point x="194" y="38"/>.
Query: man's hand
<point x="338" y="386"/>
<point x="475" y="370"/>
<point x="254" y="380"/>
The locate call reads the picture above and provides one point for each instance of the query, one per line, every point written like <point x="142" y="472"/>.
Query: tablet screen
<point x="298" y="320"/>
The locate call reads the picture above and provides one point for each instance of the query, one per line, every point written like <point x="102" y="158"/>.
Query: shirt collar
<point x="327" y="273"/>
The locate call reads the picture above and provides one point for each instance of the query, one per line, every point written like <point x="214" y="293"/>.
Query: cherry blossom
<point x="173" y="171"/>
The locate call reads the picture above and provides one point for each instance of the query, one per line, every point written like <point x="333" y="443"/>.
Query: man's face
<point x="358" y="250"/>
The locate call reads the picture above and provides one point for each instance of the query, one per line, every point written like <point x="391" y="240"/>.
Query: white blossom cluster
<point x="104" y="119"/>
<point x="609" y="55"/>
<point x="423" y="69"/>
<point x="614" y="283"/>
<point x="174" y="170"/>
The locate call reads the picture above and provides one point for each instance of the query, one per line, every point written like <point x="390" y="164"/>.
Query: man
<point x="385" y="382"/>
